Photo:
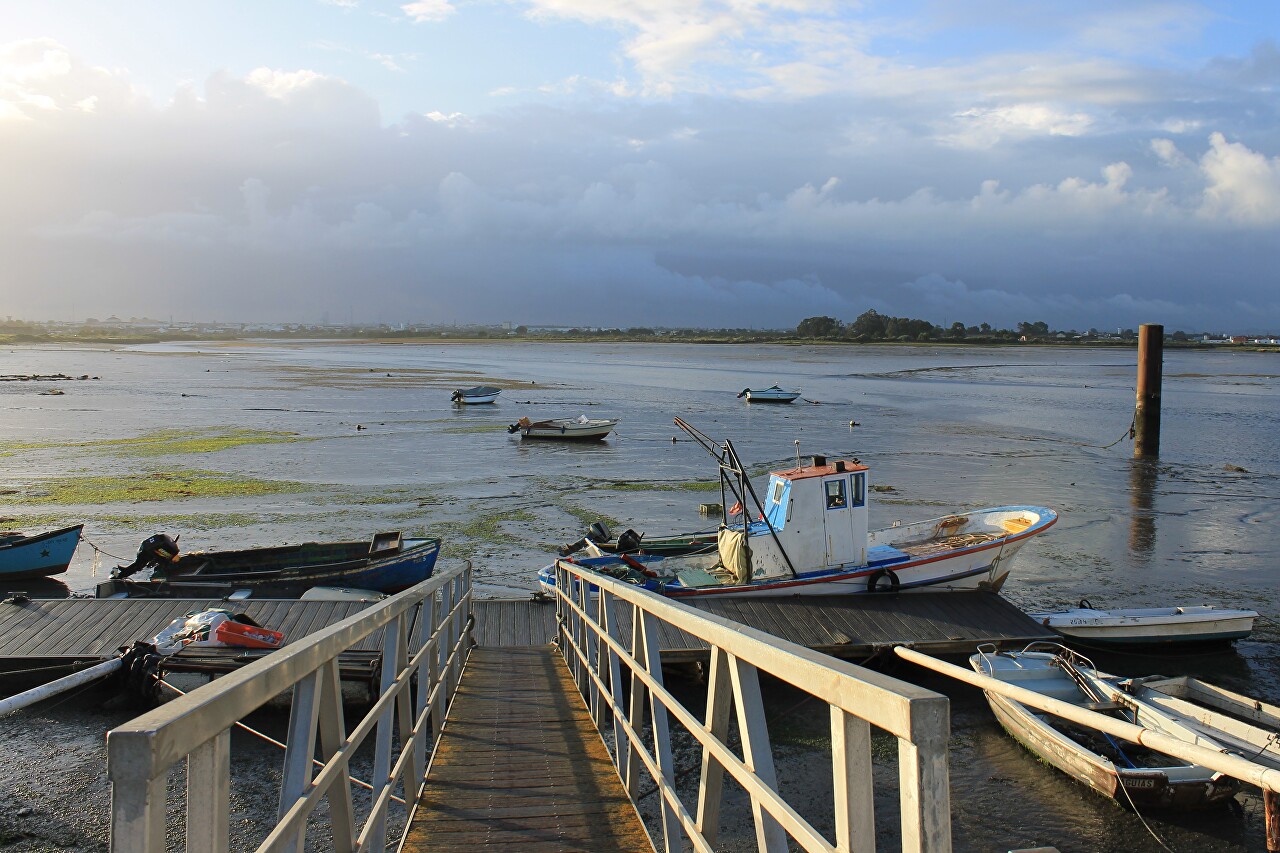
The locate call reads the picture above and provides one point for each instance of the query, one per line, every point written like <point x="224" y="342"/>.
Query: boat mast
<point x="730" y="463"/>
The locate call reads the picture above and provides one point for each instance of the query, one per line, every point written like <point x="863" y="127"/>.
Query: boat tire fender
<point x="873" y="582"/>
<point x="1085" y="605"/>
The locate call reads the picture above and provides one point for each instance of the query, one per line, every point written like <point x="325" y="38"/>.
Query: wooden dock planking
<point x="520" y="763"/>
<point x="81" y="629"/>
<point x="842" y="625"/>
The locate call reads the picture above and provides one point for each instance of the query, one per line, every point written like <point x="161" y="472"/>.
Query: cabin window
<point x="859" y="490"/>
<point x="836" y="498"/>
<point x="776" y="497"/>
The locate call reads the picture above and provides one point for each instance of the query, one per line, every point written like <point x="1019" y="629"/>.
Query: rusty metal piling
<point x="1146" y="416"/>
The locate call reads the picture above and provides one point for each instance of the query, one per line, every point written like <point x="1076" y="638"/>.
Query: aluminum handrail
<point x="587" y="612"/>
<point x="141" y="752"/>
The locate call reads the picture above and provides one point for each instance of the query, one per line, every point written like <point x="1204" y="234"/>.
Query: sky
<point x="688" y="163"/>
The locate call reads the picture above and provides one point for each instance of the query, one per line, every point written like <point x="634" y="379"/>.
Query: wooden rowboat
<point x="387" y="563"/>
<point x="1129" y="773"/>
<point x="37" y="556"/>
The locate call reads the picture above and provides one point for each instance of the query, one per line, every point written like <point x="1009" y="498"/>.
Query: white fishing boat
<point x="810" y="537"/>
<point x="772" y="394"/>
<point x="581" y="428"/>
<point x="1130" y="773"/>
<point x="1188" y="624"/>
<point x="476" y="396"/>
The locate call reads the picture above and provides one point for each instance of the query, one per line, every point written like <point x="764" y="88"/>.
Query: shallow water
<point x="943" y="428"/>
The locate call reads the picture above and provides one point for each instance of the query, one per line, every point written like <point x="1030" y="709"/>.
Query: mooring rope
<point x="97" y="550"/>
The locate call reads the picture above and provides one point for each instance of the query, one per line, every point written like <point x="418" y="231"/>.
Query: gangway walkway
<point x="520" y="764"/>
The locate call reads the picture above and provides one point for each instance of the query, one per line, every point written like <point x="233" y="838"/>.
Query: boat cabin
<point x="819" y="514"/>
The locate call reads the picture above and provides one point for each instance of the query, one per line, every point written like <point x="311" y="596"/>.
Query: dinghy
<point x="37" y="556"/>
<point x="1185" y="625"/>
<point x="581" y="428"/>
<point x="772" y="394"/>
<point x="810" y="537"/>
<point x="476" y="396"/>
<point x="1127" y="772"/>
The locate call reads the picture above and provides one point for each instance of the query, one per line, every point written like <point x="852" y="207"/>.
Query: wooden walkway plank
<point x="520" y="764"/>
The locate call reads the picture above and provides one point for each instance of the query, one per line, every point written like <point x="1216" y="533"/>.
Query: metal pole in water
<point x="1146" y="416"/>
<point x="1271" y="809"/>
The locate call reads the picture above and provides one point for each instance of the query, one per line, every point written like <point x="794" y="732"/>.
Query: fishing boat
<point x="37" y="556"/>
<point x="1127" y="772"/>
<point x="810" y="537"/>
<point x="1164" y="626"/>
<point x="476" y="396"/>
<point x="772" y="394"/>
<point x="581" y="428"/>
<point x="389" y="562"/>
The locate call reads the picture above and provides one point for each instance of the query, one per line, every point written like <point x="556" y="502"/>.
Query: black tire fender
<point x="873" y="582"/>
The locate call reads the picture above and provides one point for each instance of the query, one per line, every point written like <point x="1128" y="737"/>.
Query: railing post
<point x="209" y="795"/>
<point x="304" y="715"/>
<point x="138" y="813"/>
<point x="652" y="663"/>
<point x="376" y="831"/>
<point x="426" y="626"/>
<point x="851" y="772"/>
<point x="716" y="724"/>
<point x="332" y="732"/>
<point x="621" y="741"/>
<point x="923" y="779"/>
<point x="756" y="751"/>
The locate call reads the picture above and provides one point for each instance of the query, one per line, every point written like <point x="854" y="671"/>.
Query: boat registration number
<point x="1139" y="783"/>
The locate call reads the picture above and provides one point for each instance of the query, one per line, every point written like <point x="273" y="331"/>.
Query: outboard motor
<point x="628" y="542"/>
<point x="157" y="550"/>
<point x="599" y="532"/>
<point x="457" y="395"/>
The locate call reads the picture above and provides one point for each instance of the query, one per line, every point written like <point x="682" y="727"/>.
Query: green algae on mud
<point x="156" y="486"/>
<point x="166" y="442"/>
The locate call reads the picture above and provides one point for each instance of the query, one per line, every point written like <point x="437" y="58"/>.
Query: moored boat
<point x="1129" y="773"/>
<point x="37" y="556"/>
<point x="476" y="396"/>
<point x="1146" y="626"/>
<point x="581" y="428"/>
<point x="772" y="394"/>
<point x="810" y="537"/>
<point x="388" y="562"/>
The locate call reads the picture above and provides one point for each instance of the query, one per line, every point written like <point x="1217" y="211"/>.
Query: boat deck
<point x="850" y="626"/>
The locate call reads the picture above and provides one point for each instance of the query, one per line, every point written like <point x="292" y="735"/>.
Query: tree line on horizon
<point x="871" y="325"/>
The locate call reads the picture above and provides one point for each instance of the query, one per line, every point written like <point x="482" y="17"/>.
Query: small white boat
<point x="772" y="394"/>
<point x="1129" y="773"/>
<point x="581" y="428"/>
<point x="476" y="395"/>
<point x="1194" y="623"/>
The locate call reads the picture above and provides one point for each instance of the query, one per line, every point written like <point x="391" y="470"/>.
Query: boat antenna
<point x="797" y="443"/>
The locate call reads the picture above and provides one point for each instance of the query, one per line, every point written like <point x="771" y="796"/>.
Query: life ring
<point x="873" y="582"/>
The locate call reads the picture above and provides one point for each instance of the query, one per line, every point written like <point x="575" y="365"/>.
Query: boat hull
<point x="569" y="431"/>
<point x="39" y="556"/>
<point x="289" y="571"/>
<point x="478" y="400"/>
<point x="1146" y="779"/>
<point x="1152" y="626"/>
<point x="762" y="397"/>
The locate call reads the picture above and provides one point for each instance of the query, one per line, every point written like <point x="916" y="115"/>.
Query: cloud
<point x="428" y="11"/>
<point x="281" y="190"/>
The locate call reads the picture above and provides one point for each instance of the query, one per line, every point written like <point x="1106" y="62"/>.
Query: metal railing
<point x="141" y="753"/>
<point x="588" y="611"/>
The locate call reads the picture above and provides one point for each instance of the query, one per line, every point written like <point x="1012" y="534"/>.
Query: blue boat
<point x="387" y="563"/>
<point x="37" y="556"/>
